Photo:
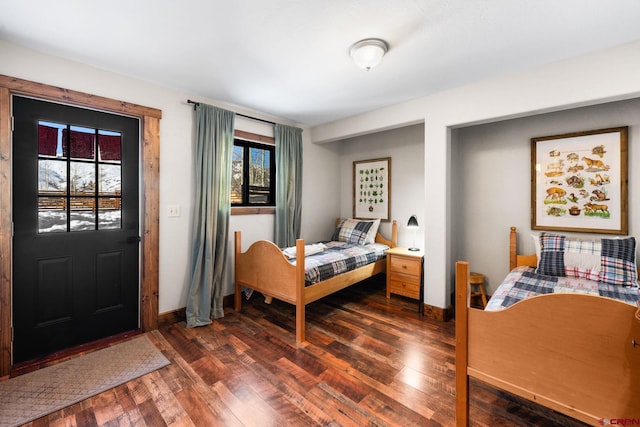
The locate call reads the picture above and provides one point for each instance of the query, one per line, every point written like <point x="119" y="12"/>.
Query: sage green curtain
<point x="288" y="185"/>
<point x="214" y="149"/>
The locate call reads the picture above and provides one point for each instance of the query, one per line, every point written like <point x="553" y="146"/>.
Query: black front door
<point x="76" y="226"/>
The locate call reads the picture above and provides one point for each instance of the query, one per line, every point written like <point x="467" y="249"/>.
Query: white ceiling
<point x="290" y="58"/>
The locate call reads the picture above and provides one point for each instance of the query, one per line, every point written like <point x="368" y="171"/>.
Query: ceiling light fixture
<point x="368" y="53"/>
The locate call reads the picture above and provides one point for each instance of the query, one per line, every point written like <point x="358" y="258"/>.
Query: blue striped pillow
<point x="617" y="259"/>
<point x="551" y="261"/>
<point x="354" y="231"/>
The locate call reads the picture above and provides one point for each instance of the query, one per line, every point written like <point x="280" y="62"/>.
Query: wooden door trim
<point x="150" y="162"/>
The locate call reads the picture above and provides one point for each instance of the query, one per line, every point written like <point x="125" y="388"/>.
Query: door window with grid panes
<point x="79" y="178"/>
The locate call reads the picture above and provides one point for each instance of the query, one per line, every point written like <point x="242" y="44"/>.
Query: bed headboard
<point x="516" y="260"/>
<point x="393" y="242"/>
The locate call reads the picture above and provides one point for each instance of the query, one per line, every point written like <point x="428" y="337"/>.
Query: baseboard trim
<point x="438" y="313"/>
<point x="170" y="317"/>
<point x="180" y="314"/>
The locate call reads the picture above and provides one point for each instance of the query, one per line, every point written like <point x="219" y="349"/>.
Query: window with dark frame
<point x="253" y="174"/>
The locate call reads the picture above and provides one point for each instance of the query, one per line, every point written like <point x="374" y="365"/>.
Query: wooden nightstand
<point x="404" y="274"/>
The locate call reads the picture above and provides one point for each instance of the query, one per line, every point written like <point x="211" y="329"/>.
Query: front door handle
<point x="133" y="239"/>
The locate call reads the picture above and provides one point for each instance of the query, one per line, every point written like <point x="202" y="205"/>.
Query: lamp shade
<point x="413" y="225"/>
<point x="368" y="53"/>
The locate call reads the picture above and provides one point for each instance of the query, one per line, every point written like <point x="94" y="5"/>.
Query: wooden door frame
<point x="150" y="193"/>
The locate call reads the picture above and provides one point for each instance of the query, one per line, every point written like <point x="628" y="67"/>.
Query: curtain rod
<point x="196" y="104"/>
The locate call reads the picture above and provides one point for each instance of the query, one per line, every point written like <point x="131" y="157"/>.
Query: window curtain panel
<point x="288" y="185"/>
<point x="214" y="148"/>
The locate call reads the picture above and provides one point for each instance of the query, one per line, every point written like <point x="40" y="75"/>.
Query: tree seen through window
<point x="253" y="174"/>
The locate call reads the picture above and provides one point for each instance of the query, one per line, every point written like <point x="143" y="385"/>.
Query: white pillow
<point x="536" y="245"/>
<point x="371" y="235"/>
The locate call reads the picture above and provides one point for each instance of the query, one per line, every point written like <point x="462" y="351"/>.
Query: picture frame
<point x="579" y="182"/>
<point x="372" y="189"/>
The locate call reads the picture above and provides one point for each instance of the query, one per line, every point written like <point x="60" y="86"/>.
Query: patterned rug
<point x="33" y="395"/>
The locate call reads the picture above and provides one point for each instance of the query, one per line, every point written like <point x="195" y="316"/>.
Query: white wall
<point x="590" y="79"/>
<point x="321" y="181"/>
<point x="493" y="179"/>
<point x="176" y="159"/>
<point x="405" y="146"/>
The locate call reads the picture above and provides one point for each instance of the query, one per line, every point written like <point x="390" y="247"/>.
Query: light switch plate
<point x="173" y="210"/>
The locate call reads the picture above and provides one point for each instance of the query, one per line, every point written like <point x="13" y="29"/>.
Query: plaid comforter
<point x="523" y="282"/>
<point x="340" y="257"/>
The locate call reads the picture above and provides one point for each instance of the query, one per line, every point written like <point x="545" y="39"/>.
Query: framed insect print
<point x="372" y="189"/>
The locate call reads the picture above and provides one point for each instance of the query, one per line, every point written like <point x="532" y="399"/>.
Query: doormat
<point x="36" y="394"/>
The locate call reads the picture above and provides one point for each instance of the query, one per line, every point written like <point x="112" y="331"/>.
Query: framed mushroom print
<point x="372" y="189"/>
<point x="579" y="182"/>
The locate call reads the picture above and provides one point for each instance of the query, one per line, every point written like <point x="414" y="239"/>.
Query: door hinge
<point x="12" y="123"/>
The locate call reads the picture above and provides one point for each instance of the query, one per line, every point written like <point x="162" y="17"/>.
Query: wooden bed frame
<point x="576" y="354"/>
<point x="265" y="269"/>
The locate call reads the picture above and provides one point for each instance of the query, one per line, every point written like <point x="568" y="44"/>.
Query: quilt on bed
<point x="524" y="282"/>
<point x="338" y="258"/>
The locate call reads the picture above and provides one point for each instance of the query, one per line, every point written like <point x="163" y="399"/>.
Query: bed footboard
<point x="576" y="354"/>
<point x="265" y="269"/>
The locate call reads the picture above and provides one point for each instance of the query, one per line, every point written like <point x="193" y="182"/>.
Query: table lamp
<point x="413" y="225"/>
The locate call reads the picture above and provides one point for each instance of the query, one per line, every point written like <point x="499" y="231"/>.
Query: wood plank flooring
<point x="368" y="361"/>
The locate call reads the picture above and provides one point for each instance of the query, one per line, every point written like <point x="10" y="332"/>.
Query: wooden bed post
<point x="513" y="248"/>
<point x="394" y="233"/>
<point x="300" y="293"/>
<point x="462" y="378"/>
<point x="237" y="252"/>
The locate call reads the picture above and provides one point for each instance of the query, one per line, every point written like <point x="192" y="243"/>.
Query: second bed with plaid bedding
<point x="524" y="282"/>
<point x="338" y="258"/>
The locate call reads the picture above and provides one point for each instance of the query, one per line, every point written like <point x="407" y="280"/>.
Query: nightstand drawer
<point x="406" y="266"/>
<point x="404" y="274"/>
<point x="405" y="286"/>
<point x="411" y="280"/>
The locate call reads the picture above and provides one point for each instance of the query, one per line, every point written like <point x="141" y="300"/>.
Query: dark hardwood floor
<point x="367" y="361"/>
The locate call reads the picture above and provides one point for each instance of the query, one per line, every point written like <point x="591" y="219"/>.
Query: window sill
<point x="251" y="210"/>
